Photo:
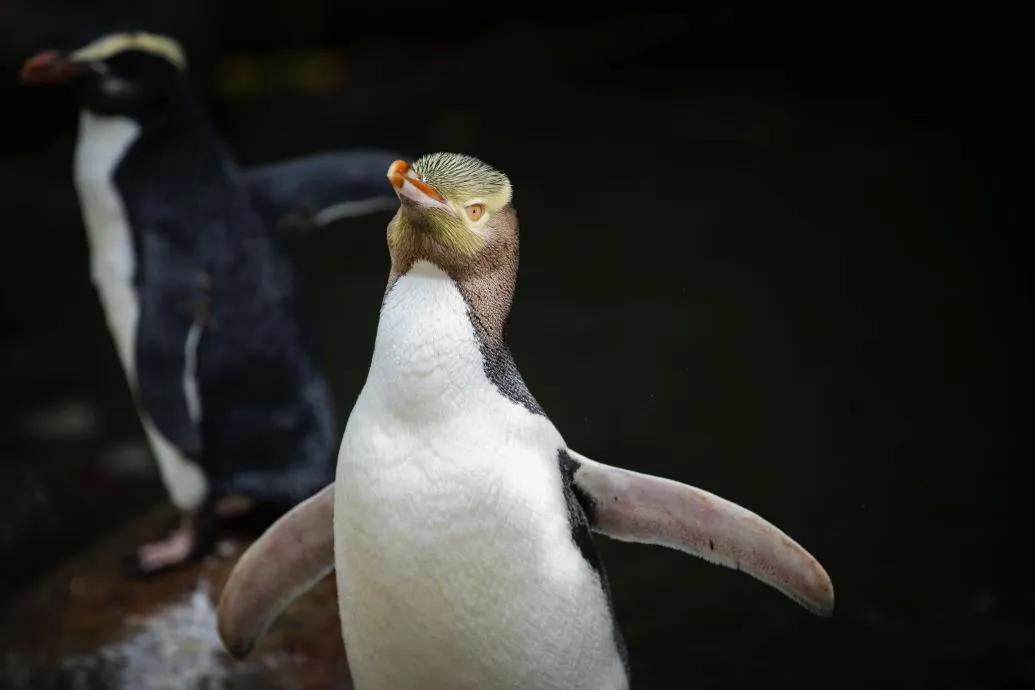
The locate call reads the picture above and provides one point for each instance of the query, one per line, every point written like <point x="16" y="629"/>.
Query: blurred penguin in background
<point x="198" y="294"/>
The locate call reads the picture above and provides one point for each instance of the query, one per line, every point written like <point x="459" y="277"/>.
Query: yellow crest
<point x="113" y="44"/>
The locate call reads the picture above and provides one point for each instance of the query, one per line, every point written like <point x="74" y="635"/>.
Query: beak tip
<point x="44" y="67"/>
<point x="397" y="173"/>
<point x="408" y="185"/>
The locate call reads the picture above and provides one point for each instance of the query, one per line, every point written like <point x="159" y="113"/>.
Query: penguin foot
<point x="185" y="545"/>
<point x="195" y="535"/>
<point x="177" y="550"/>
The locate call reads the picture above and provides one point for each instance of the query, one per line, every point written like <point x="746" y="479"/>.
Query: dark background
<point x="775" y="253"/>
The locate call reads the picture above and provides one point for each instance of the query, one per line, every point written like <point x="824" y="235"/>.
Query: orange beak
<point x="49" y="67"/>
<point x="409" y="187"/>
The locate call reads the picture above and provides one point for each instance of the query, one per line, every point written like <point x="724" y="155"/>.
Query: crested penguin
<point x="198" y="295"/>
<point x="460" y="522"/>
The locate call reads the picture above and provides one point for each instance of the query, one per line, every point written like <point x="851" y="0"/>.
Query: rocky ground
<point x="84" y="627"/>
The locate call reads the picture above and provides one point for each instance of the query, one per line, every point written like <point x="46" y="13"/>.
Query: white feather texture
<point x="102" y="143"/>
<point x="453" y="550"/>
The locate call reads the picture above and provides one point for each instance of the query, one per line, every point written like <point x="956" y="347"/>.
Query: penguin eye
<point x="475" y="211"/>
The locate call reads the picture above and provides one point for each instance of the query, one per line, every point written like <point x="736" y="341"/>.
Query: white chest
<point x="102" y="143"/>
<point x="453" y="548"/>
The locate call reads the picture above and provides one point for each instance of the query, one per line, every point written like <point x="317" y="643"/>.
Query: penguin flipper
<point x="295" y="553"/>
<point x="304" y="194"/>
<point x="173" y="306"/>
<point x="629" y="506"/>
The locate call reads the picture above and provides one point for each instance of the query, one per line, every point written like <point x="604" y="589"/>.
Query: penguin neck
<point x="102" y="144"/>
<point x="428" y="351"/>
<point x="134" y="173"/>
<point x="105" y="142"/>
<point x="486" y="284"/>
<point x="180" y="146"/>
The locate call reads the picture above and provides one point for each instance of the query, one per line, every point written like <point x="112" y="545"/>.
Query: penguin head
<point x="455" y="211"/>
<point x="453" y="201"/>
<point x="129" y="73"/>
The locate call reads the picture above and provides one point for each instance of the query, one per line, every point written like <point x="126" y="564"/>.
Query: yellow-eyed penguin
<point x="199" y="296"/>
<point x="461" y="520"/>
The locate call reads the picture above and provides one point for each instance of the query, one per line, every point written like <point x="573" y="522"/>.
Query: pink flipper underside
<point x="295" y="553"/>
<point x="642" y="508"/>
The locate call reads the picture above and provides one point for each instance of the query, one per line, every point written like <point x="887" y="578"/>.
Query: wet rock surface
<point x="84" y="626"/>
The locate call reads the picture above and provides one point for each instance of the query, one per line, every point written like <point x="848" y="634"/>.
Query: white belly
<point x="101" y="145"/>
<point x="455" y="563"/>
